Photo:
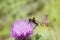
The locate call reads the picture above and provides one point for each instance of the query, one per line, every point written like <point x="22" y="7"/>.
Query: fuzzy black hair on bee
<point x="33" y="20"/>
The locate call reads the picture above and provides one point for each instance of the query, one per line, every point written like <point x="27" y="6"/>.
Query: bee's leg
<point x="35" y="25"/>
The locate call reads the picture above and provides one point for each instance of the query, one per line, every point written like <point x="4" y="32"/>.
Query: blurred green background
<point x="12" y="10"/>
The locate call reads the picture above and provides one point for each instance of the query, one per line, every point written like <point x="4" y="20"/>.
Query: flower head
<point x="21" y="28"/>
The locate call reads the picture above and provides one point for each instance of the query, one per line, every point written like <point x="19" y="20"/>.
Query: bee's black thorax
<point x="34" y="21"/>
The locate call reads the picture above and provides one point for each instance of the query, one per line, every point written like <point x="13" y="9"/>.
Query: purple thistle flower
<point x="22" y="29"/>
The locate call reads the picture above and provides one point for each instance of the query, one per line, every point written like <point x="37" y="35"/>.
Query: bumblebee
<point x="33" y="20"/>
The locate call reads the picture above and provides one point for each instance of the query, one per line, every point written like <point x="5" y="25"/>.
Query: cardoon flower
<point x="22" y="29"/>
